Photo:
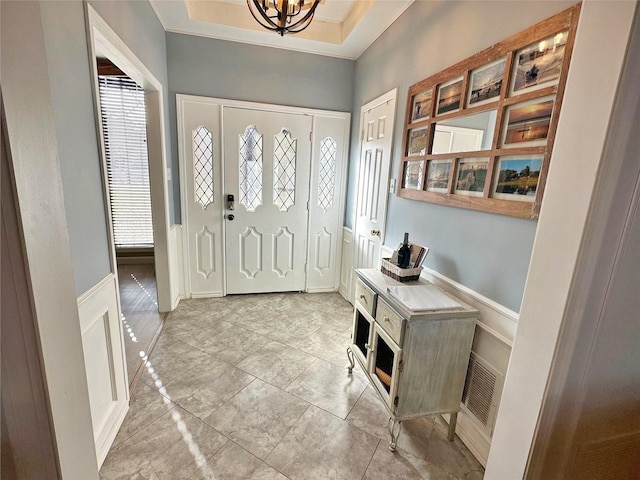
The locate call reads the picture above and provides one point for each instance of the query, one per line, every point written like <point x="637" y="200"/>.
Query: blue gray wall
<point x="486" y="252"/>
<point x="75" y="122"/>
<point x="238" y="71"/>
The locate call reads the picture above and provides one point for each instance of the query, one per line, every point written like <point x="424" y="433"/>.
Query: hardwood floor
<point x="141" y="320"/>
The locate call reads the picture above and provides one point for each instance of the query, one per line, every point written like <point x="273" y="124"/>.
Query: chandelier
<point x="283" y="16"/>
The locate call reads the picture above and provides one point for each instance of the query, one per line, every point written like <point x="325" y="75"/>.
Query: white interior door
<point x="377" y="120"/>
<point x="267" y="159"/>
<point x="200" y="146"/>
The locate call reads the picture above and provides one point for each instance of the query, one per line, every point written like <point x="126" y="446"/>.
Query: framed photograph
<point x="486" y="83"/>
<point x="527" y="124"/>
<point x="517" y="177"/>
<point x="449" y="95"/>
<point x="413" y="175"/>
<point x="471" y="177"/>
<point x="539" y="64"/>
<point x="438" y="173"/>
<point x="417" y="142"/>
<point x="421" y="108"/>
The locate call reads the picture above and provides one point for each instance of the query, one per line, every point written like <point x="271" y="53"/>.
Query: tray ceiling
<point x="341" y="28"/>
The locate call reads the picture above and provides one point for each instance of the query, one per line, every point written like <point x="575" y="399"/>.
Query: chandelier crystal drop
<point x="283" y="16"/>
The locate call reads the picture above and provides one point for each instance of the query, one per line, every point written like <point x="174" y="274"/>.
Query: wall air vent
<point x="481" y="392"/>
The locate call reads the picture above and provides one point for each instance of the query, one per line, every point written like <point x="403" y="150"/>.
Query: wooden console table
<point x="416" y="360"/>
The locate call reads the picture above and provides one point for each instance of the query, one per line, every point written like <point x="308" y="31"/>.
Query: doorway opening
<point x="124" y="130"/>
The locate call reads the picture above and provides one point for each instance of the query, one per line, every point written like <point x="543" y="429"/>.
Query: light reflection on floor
<point x="199" y="459"/>
<point x="151" y="297"/>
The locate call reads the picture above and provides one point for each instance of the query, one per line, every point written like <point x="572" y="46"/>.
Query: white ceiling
<point x="340" y="28"/>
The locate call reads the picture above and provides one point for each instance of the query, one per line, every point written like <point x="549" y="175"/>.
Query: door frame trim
<point x="181" y="100"/>
<point x="99" y="33"/>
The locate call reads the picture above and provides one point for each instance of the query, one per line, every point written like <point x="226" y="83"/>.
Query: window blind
<point x="125" y="137"/>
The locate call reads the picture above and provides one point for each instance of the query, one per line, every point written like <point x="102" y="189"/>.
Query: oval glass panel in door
<point x="203" y="166"/>
<point x="250" y="164"/>
<point x="284" y="170"/>
<point x="327" y="173"/>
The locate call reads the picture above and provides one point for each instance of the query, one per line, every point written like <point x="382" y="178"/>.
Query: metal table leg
<point x="453" y="419"/>
<point x="393" y="434"/>
<point x="351" y="361"/>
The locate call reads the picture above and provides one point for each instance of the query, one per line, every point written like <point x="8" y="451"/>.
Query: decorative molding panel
<point x="205" y="248"/>
<point x="103" y="345"/>
<point x="323" y="251"/>
<point x="283" y="252"/>
<point x="250" y="252"/>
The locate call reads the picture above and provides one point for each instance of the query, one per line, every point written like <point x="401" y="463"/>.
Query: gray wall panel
<point x="73" y="108"/>
<point x="488" y="253"/>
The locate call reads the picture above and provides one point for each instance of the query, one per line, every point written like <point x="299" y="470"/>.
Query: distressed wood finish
<point x="566" y="21"/>
<point x="432" y="350"/>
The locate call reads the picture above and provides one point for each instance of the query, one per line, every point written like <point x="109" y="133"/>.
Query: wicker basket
<point x="400" y="274"/>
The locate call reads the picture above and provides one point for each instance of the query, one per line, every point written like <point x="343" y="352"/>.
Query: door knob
<point x="375" y="233"/>
<point x="230" y="217"/>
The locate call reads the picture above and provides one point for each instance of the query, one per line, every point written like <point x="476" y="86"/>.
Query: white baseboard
<point x="105" y="362"/>
<point x="321" y="290"/>
<point x="207" y="295"/>
<point x="176" y="253"/>
<point x="347" y="264"/>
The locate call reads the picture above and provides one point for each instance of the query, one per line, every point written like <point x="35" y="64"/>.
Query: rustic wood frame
<point x="565" y="21"/>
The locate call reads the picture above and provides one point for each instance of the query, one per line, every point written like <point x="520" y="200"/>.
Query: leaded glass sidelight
<point x="327" y="173"/>
<point x="250" y="155"/>
<point x="203" y="166"/>
<point x="284" y="170"/>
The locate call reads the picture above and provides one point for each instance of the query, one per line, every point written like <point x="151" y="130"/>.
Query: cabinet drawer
<point x="366" y="297"/>
<point x="389" y="320"/>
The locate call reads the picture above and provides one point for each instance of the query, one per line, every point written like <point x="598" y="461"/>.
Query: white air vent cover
<point x="481" y="393"/>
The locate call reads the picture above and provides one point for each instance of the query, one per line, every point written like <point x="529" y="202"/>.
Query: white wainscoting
<point x="491" y="350"/>
<point x="176" y="262"/>
<point x="346" y="270"/>
<point x="105" y="365"/>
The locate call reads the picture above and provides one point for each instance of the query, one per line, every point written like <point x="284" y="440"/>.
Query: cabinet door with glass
<point x="384" y="362"/>
<point x="362" y="336"/>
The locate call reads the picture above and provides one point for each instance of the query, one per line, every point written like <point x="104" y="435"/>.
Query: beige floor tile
<point x="192" y="326"/>
<point x="173" y="447"/>
<point x="145" y="406"/>
<point x="232" y="462"/>
<point x="172" y="357"/>
<point x="258" y="417"/>
<point x="452" y="457"/>
<point x="276" y="364"/>
<point x="233" y="344"/>
<point x="321" y="446"/>
<point x="370" y="415"/>
<point x="206" y="387"/>
<point x="400" y="465"/>
<point x="328" y="386"/>
<point x="328" y="345"/>
<point x="305" y="365"/>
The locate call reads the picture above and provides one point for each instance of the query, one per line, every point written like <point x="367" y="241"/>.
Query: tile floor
<point x="255" y="387"/>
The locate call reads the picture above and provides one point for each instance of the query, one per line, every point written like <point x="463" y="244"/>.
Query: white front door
<point x="200" y="145"/>
<point x="377" y="120"/>
<point x="267" y="160"/>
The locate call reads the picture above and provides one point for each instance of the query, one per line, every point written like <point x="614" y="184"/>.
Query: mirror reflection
<point x="465" y="134"/>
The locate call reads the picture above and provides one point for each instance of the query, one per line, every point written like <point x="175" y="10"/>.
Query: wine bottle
<point x="404" y="253"/>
